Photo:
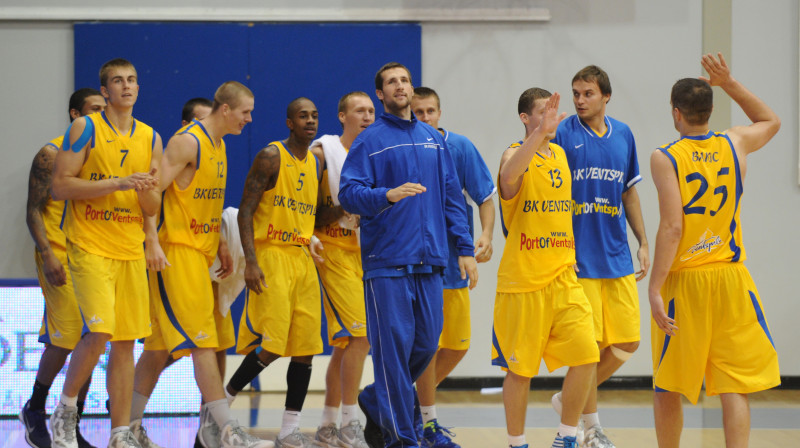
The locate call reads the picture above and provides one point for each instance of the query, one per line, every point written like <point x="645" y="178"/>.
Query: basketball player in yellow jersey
<point x="281" y="317"/>
<point x="540" y="311"/>
<point x="341" y="275"/>
<point x="61" y="324"/>
<point x="106" y="170"/>
<point x="193" y="173"/>
<point x="708" y="321"/>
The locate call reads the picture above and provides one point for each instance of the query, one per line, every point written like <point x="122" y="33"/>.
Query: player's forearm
<point x="150" y="227"/>
<point x="486" y="216"/>
<point x="516" y="165"/>
<point x="667" y="240"/>
<point x="37" y="229"/>
<point x="327" y="215"/>
<point x="73" y="188"/>
<point x="247" y="236"/>
<point x="633" y="213"/>
<point x="755" y="109"/>
<point x="150" y="201"/>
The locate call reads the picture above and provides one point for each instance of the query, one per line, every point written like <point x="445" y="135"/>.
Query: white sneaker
<point x="328" y="436"/>
<point x="123" y="439"/>
<point x="208" y="434"/>
<point x="62" y="425"/>
<point x="596" y="438"/>
<point x="140" y="434"/>
<point x="296" y="440"/>
<point x="234" y="436"/>
<point x="352" y="436"/>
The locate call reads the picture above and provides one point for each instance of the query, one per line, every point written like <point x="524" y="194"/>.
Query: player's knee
<point x="624" y="351"/>
<point x="359" y="344"/>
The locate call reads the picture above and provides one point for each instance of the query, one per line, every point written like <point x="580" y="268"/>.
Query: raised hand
<point x="404" y="191"/>
<point x="718" y="71"/>
<point x="552" y="118"/>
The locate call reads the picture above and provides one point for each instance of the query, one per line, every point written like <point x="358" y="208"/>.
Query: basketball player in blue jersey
<point x="708" y="321"/>
<point x="62" y="321"/>
<point x="399" y="177"/>
<point x="477" y="184"/>
<point x="605" y="170"/>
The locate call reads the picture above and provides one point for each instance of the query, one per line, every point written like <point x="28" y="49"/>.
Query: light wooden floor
<point x="478" y="420"/>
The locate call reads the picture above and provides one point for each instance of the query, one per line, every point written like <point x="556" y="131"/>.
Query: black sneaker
<point x="82" y="443"/>
<point x="197" y="443"/>
<point x="372" y="431"/>
<point x="35" y="422"/>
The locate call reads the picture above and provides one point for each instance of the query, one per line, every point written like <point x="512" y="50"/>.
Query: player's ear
<point x="524" y="118"/>
<point x="341" y="118"/>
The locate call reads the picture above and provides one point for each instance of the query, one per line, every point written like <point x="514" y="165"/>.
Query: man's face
<point x="589" y="102"/>
<point x="92" y="104"/>
<point x="427" y="110"/>
<point x="397" y="90"/>
<point x="536" y="116"/>
<point x="122" y="87"/>
<point x="359" y="114"/>
<point x="303" y="123"/>
<point x="235" y="119"/>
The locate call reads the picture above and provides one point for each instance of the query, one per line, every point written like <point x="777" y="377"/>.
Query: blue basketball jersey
<point x="477" y="184"/>
<point x="603" y="167"/>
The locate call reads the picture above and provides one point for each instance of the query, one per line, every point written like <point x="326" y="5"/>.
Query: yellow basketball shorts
<point x="553" y="323"/>
<point x="226" y="336"/>
<point x="615" y="309"/>
<point x="112" y="294"/>
<point x="61" y="323"/>
<point x="456" y="331"/>
<point x="286" y="318"/>
<point x="182" y="303"/>
<point x="342" y="282"/>
<point x="722" y="334"/>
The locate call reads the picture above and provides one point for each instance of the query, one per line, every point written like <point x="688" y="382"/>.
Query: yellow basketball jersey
<point x="285" y="215"/>
<point x="537" y="223"/>
<point x="711" y="187"/>
<point x="333" y="233"/>
<point x="192" y="216"/>
<point x="54" y="211"/>
<point x="111" y="225"/>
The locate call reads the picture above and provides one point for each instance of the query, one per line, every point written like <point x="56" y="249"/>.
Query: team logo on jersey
<point x="95" y="320"/>
<point x="513" y="359"/>
<point x="708" y="242"/>
<point x="201" y="336"/>
<point x="356" y="325"/>
<point x="57" y="335"/>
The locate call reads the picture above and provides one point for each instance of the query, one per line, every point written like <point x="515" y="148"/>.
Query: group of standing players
<point x="379" y="213"/>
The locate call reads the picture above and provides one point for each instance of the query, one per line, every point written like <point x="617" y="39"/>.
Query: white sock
<point x="291" y="421"/>
<point x="567" y="431"/>
<point x="428" y="413"/>
<point x="516" y="440"/>
<point x="349" y="413"/>
<point x="69" y="401"/>
<point x="220" y="412"/>
<point x="329" y="414"/>
<point x="590" y="420"/>
<point x="118" y="429"/>
<point x="229" y="397"/>
<point x="138" y="403"/>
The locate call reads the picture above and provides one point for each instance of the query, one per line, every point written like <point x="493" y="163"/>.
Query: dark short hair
<point x="187" y="114"/>
<point x="346" y="98"/>
<point x="78" y="98"/>
<point x="593" y="73"/>
<point x="292" y="108"/>
<point x="114" y="63"/>
<point x="426" y="92"/>
<point x="389" y="66"/>
<point x="528" y="99"/>
<point x="694" y="99"/>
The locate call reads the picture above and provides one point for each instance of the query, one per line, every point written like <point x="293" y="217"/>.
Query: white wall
<point x="479" y="71"/>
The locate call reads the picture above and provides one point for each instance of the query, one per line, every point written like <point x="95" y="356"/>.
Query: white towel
<point x="335" y="154"/>
<point x="231" y="286"/>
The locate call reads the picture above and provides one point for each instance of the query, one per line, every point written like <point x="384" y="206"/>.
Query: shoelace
<point x="441" y="433"/>
<point x="70" y="421"/>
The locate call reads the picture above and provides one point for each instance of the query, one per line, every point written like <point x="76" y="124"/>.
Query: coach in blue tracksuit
<point x="400" y="179"/>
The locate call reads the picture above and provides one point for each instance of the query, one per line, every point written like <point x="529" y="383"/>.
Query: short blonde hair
<point x="230" y="93"/>
<point x="105" y="70"/>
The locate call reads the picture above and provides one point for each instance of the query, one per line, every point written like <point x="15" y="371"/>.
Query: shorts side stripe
<point x="760" y="316"/>
<point x="501" y="359"/>
<point x="188" y="343"/>
<point x="671" y="314"/>
<point x="325" y="296"/>
<point x="249" y="324"/>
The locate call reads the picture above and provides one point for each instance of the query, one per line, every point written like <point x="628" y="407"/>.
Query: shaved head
<point x="296" y="105"/>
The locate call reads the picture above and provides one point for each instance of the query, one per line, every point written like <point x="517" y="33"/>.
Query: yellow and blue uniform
<point x="723" y="334"/>
<point x="61" y="323"/>
<point x="105" y="237"/>
<point x="540" y="311"/>
<point x="285" y="319"/>
<point x="189" y="229"/>
<point x="603" y="168"/>
<point x="341" y="278"/>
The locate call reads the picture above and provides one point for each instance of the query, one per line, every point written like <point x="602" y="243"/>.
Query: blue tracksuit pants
<point x="404" y="322"/>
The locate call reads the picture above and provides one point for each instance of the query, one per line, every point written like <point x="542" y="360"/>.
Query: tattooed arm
<point x="262" y="177"/>
<point x="38" y="195"/>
